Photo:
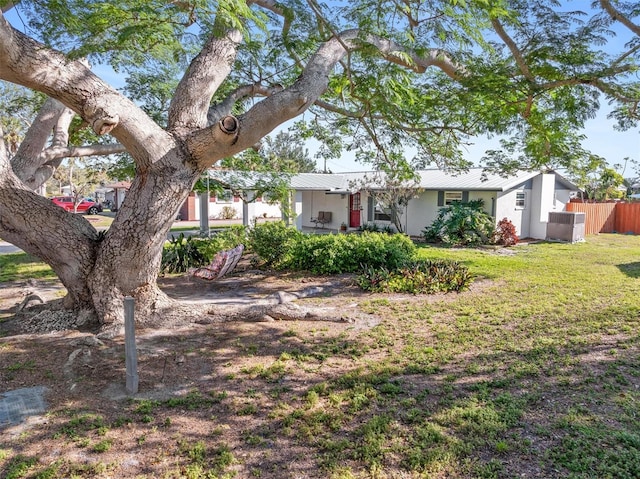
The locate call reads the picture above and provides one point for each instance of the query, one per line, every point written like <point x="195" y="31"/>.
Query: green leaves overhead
<point x="533" y="72"/>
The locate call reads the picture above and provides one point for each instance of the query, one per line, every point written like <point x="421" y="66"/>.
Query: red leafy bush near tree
<point x="505" y="233"/>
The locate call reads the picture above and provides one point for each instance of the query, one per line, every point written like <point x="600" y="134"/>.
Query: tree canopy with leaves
<point x="209" y="79"/>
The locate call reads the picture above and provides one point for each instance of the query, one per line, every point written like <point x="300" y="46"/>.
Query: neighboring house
<point x="115" y="193"/>
<point x="525" y="198"/>
<point x="225" y="203"/>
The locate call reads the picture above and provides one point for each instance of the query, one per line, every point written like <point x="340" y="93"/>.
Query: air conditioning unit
<point x="566" y="226"/>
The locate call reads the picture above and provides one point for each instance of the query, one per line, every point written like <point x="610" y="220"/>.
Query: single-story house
<point x="525" y="198"/>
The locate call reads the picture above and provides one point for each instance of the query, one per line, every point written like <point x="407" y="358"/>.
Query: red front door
<point x="354" y="210"/>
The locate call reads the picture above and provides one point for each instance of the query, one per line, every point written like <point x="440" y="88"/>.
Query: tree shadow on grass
<point x="630" y="269"/>
<point x="309" y="399"/>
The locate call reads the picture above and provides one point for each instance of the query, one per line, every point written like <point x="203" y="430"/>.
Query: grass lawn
<point x="100" y="220"/>
<point x="22" y="266"/>
<point x="534" y="372"/>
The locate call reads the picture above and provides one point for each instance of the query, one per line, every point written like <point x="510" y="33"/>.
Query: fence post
<point x="130" y="351"/>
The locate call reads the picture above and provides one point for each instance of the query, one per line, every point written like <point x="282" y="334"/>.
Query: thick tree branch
<point x="619" y="16"/>
<point x="45" y="168"/>
<point x="22" y="212"/>
<point x="190" y="104"/>
<point x="276" y="109"/>
<point x="34" y="163"/>
<point x="56" y="152"/>
<point x="27" y="159"/>
<point x="206" y="144"/>
<point x="224" y="108"/>
<point x="5" y="166"/>
<point x="515" y="51"/>
<point x="54" y="155"/>
<point x="26" y="62"/>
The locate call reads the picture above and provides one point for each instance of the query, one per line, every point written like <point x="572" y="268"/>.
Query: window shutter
<point x="440" y="198"/>
<point x="370" y="208"/>
<point x="465" y="197"/>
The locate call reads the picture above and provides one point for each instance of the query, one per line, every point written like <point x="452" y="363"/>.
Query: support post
<point x="130" y="351"/>
<point x="204" y="213"/>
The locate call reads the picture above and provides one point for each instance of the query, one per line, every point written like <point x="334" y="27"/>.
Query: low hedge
<point x="418" y="277"/>
<point x="335" y="254"/>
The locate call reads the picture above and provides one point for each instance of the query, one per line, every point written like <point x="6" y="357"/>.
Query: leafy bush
<point x="271" y="241"/>
<point x="222" y="240"/>
<point x="375" y="228"/>
<point x="461" y="224"/>
<point x="180" y="254"/>
<point x="420" y="276"/>
<point x="371" y="227"/>
<point x="334" y="254"/>
<point x="505" y="233"/>
<point x="227" y="213"/>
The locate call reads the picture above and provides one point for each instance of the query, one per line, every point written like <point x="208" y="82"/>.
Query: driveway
<point x="6" y="248"/>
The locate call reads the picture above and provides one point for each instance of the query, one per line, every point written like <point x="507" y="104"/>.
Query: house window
<point x="381" y="214"/>
<point x="225" y="197"/>
<point x="520" y="197"/>
<point x="377" y="212"/>
<point x="452" y="196"/>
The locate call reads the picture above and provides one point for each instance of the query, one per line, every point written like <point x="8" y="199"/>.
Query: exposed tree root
<point x="50" y="317"/>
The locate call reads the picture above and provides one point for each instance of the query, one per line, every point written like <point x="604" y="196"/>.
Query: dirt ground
<point x="84" y="373"/>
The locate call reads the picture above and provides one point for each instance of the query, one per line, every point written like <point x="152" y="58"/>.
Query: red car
<point x="85" y="206"/>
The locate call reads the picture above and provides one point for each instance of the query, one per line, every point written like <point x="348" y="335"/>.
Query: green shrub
<point x="461" y="224"/>
<point x="180" y="254"/>
<point x="222" y="240"/>
<point x="334" y="254"/>
<point x="418" y="277"/>
<point x="271" y="241"/>
<point x="376" y="228"/>
<point x="371" y="227"/>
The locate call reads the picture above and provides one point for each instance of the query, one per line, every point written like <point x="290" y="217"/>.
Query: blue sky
<point x="601" y="139"/>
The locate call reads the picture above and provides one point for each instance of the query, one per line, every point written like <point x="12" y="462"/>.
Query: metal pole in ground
<point x="130" y="351"/>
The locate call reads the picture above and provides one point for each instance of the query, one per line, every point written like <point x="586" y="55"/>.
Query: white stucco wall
<point x="297" y="204"/>
<point x="255" y="209"/>
<point x="540" y="199"/>
<point x="520" y="217"/>
<point x="562" y="198"/>
<point x="423" y="210"/>
<point x="544" y="190"/>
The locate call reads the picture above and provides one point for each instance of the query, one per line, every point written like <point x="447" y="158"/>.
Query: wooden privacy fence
<point x="609" y="217"/>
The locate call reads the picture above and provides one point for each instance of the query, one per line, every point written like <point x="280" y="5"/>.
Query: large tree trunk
<point x="99" y="270"/>
<point x="129" y="257"/>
